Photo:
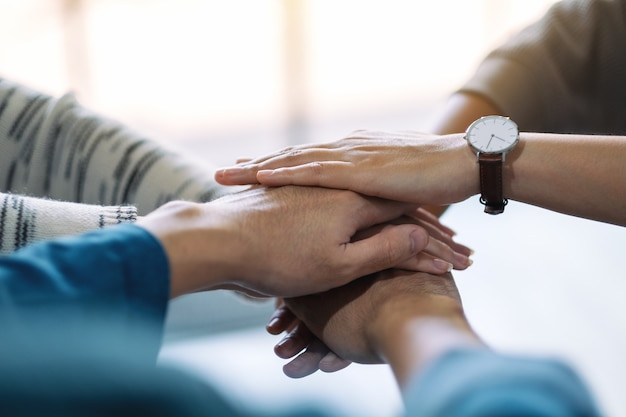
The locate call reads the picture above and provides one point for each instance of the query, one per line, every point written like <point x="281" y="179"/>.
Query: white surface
<point x="542" y="283"/>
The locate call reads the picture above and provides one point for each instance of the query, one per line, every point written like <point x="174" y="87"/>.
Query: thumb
<point x="386" y="249"/>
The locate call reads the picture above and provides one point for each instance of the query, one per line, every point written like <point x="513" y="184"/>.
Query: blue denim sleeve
<point x="111" y="281"/>
<point x="487" y="384"/>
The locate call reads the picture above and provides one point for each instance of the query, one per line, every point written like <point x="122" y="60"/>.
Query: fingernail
<point x="286" y="342"/>
<point x="462" y="259"/>
<point x="441" y="264"/>
<point x="273" y="322"/>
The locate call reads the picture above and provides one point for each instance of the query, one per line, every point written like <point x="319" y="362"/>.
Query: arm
<point x="57" y="149"/>
<point x="561" y="74"/>
<point x="415" y="323"/>
<point x="232" y="242"/>
<point x="581" y="175"/>
<point x="228" y="243"/>
<point x="544" y="79"/>
<point x="325" y="238"/>
<point x="113" y="280"/>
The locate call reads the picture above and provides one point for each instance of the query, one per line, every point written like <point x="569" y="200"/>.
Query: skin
<point x="308" y="353"/>
<point x="539" y="171"/>
<point x="291" y="241"/>
<point x="554" y="171"/>
<point x="402" y="318"/>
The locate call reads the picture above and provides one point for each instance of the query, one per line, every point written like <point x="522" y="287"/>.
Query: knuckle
<point x="317" y="168"/>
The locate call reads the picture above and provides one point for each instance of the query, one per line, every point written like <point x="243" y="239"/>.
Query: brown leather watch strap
<point x="491" y="182"/>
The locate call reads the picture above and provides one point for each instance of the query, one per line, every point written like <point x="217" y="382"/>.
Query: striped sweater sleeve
<point x="64" y="170"/>
<point x="26" y="220"/>
<point x="57" y="149"/>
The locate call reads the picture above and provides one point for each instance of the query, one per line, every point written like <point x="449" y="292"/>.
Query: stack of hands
<point x="350" y="254"/>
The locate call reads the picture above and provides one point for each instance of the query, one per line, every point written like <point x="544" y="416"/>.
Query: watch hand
<point x="498" y="137"/>
<point x="490" y="139"/>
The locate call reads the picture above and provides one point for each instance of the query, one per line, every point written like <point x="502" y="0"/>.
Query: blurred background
<point x="226" y="79"/>
<point x="250" y="75"/>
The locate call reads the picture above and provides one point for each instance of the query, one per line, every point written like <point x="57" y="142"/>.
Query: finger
<point x="443" y="251"/>
<point x="425" y="215"/>
<point x="294" y="342"/>
<point x="329" y="174"/>
<point x="386" y="249"/>
<point x="307" y="362"/>
<point x="281" y="320"/>
<point x="332" y="363"/>
<point x="436" y="258"/>
<point x="437" y="230"/>
<point x="235" y="176"/>
<point x="299" y="154"/>
<point x="242" y="160"/>
<point x="424" y="262"/>
<point x="246" y="173"/>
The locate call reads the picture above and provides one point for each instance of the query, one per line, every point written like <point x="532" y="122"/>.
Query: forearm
<point x="410" y="335"/>
<point x="542" y="169"/>
<point x="471" y="382"/>
<point x="544" y="79"/>
<point x="56" y="148"/>
<point x="579" y="175"/>
<point x="443" y="368"/>
<point x="461" y="110"/>
<point x="116" y="277"/>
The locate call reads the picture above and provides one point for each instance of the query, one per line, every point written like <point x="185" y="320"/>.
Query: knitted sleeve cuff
<point x="25" y="220"/>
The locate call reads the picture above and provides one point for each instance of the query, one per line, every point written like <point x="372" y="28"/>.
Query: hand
<point x="285" y="241"/>
<point x="442" y="253"/>
<point x="360" y="320"/>
<point x="315" y="354"/>
<point x="404" y="166"/>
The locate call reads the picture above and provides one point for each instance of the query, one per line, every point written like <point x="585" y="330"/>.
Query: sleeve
<point x="60" y="150"/>
<point x="26" y="220"/>
<point x="564" y="73"/>
<point x="483" y="383"/>
<point x="115" y="279"/>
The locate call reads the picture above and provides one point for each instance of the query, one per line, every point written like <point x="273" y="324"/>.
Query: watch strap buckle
<point x="493" y="207"/>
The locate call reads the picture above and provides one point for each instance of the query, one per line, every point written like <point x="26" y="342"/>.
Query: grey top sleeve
<point x="565" y="73"/>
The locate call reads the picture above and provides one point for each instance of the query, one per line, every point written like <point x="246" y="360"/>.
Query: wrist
<point x="195" y="243"/>
<point x="465" y="162"/>
<point x="408" y="333"/>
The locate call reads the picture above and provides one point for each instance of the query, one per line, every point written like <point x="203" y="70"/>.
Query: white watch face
<point x="492" y="134"/>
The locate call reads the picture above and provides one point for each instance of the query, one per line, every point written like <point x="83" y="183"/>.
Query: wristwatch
<point x="492" y="137"/>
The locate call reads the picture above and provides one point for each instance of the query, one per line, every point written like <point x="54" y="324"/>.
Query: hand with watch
<point x="403" y="166"/>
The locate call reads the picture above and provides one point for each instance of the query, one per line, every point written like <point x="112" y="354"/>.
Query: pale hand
<point x="402" y="166"/>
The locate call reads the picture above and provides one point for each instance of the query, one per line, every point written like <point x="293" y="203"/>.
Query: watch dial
<point x="492" y="134"/>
